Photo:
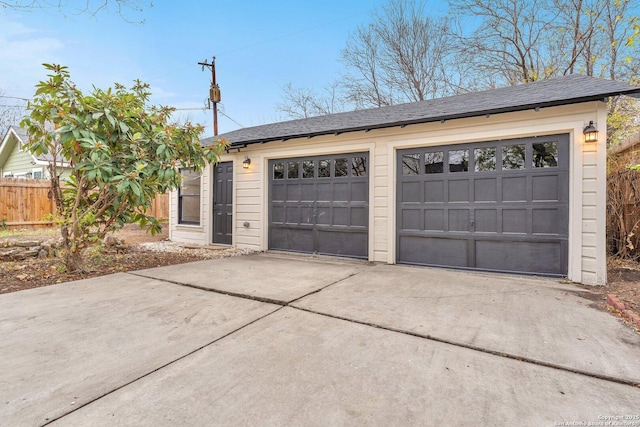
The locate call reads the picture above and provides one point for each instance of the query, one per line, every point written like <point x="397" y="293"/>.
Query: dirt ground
<point x="624" y="282"/>
<point x="36" y="272"/>
<point x="623" y="276"/>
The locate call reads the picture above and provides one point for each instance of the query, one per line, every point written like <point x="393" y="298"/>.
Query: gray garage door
<point x="498" y="206"/>
<point x="320" y="204"/>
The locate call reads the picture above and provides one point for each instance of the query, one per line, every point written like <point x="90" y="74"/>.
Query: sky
<point x="260" y="46"/>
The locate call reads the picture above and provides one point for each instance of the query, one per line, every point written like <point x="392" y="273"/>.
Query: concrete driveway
<point x="271" y="339"/>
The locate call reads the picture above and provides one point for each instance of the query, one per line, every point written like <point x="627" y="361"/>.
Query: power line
<point x="15" y="97"/>
<point x="208" y="108"/>
<point x="221" y="112"/>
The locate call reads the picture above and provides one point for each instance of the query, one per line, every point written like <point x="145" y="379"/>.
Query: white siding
<point x="18" y="162"/>
<point x="248" y="203"/>
<point x="587" y="260"/>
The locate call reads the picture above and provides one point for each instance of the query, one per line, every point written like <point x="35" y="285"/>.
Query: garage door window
<point x="459" y="161"/>
<point x="292" y="171"/>
<point x="485" y="159"/>
<point x="278" y="171"/>
<point x="359" y="166"/>
<point x="434" y="162"/>
<point x="513" y="156"/>
<point x="545" y="155"/>
<point x="410" y="164"/>
<point x="308" y="169"/>
<point x="324" y="169"/>
<point x="341" y="168"/>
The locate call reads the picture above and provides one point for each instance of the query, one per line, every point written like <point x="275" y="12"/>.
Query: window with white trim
<point x="189" y="198"/>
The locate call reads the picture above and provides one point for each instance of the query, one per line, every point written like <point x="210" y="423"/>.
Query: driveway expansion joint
<point x="283" y="303"/>
<point x="476" y="348"/>
<point x="217" y="291"/>
<point x="396" y="330"/>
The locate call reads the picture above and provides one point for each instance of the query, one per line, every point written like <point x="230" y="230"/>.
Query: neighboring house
<point x="18" y="163"/>
<point x="500" y="180"/>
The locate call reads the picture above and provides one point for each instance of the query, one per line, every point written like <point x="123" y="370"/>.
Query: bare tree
<point x="402" y="56"/>
<point x="616" y="57"/>
<point x="12" y="110"/>
<point x="619" y="56"/>
<point x="574" y="38"/>
<point x="302" y="103"/>
<point x="91" y="7"/>
<point x="510" y="40"/>
<point x="526" y="40"/>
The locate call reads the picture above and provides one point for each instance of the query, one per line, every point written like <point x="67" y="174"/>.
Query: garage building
<point x="502" y="180"/>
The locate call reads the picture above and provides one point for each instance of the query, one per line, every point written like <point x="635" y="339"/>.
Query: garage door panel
<point x="278" y="192"/>
<point x="293" y="215"/>
<point x="434" y="251"/>
<point x="293" y="192"/>
<point x="486" y="220"/>
<point x="290" y="239"/>
<point x="433" y="191"/>
<point x="411" y="192"/>
<point x="539" y="257"/>
<point x="341" y="192"/>
<point x="514" y="221"/>
<point x="277" y="214"/>
<point x="485" y="190"/>
<point x="307" y="192"/>
<point x="545" y="187"/>
<point x="514" y="189"/>
<point x="458" y="219"/>
<point x="546" y="221"/>
<point x="459" y="190"/>
<point x="320" y="204"/>
<point x="341" y="242"/>
<point x="340" y="216"/>
<point x="306" y="215"/>
<point x="359" y="217"/>
<point x="411" y="219"/>
<point x="495" y="205"/>
<point x="434" y="219"/>
<point x="324" y="192"/>
<point x="323" y="215"/>
<point x="360" y="191"/>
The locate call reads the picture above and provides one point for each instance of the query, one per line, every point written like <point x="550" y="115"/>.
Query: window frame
<point x="181" y="196"/>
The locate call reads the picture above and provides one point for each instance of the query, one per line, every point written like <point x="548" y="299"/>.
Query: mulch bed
<point x="36" y="272"/>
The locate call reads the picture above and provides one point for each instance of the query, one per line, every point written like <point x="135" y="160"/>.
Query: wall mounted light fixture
<point x="246" y="163"/>
<point x="590" y="133"/>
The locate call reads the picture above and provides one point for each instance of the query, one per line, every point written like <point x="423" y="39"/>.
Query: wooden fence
<point x="623" y="207"/>
<point x="160" y="207"/>
<point x="25" y="203"/>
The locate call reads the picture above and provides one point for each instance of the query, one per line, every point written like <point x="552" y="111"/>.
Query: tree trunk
<point x="73" y="261"/>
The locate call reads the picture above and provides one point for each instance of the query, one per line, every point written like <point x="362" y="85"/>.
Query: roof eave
<point x="635" y="92"/>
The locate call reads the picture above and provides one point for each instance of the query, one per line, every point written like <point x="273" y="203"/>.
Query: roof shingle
<point x="563" y="90"/>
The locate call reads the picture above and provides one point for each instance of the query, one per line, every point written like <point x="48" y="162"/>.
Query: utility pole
<point x="214" y="91"/>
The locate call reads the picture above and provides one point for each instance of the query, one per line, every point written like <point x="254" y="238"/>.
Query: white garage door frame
<point x="513" y="130"/>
